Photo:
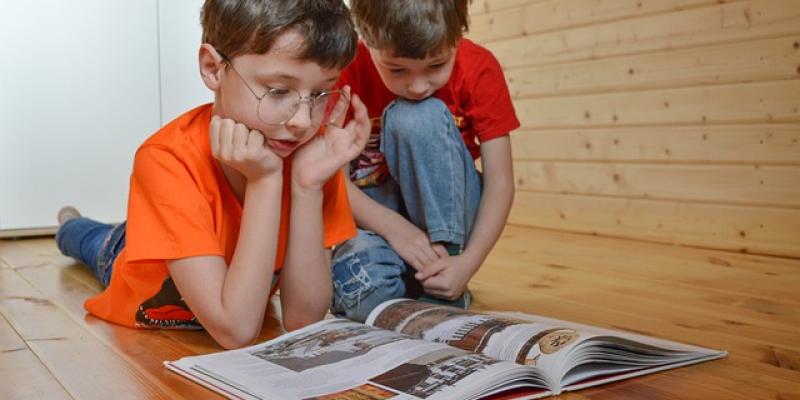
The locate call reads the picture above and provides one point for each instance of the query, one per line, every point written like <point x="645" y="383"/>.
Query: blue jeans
<point x="433" y="183"/>
<point x="93" y="243"/>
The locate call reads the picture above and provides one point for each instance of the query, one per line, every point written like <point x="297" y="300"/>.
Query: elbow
<point x="301" y="312"/>
<point x="235" y="338"/>
<point x="295" y="322"/>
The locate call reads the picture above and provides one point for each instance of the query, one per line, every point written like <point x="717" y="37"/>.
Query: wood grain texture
<point x="751" y="144"/>
<point x="751" y="185"/>
<point x="22" y="374"/>
<point x="758" y="230"/>
<point x="66" y="349"/>
<point x="759" y="102"/>
<point x="739" y="62"/>
<point x="674" y="121"/>
<point x="696" y="27"/>
<point x="542" y="16"/>
<point x="648" y="129"/>
<point x="742" y="303"/>
<point x="478" y="7"/>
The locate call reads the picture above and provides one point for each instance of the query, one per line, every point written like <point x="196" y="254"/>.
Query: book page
<point x="554" y="346"/>
<point x="509" y="339"/>
<point x="606" y="355"/>
<point x="340" y="359"/>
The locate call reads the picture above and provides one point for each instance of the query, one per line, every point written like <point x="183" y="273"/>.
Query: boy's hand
<point x="323" y="155"/>
<point x="446" y="277"/>
<point x="242" y="149"/>
<point x="414" y="246"/>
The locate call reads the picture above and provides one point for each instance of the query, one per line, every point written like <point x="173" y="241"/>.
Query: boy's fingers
<point x="362" y="118"/>
<point x="430" y="270"/>
<point x="240" y="135"/>
<point x="417" y="267"/>
<point x="255" y="143"/>
<point x="255" y="139"/>
<point x="226" y="137"/>
<point x="433" y="285"/>
<point x="423" y="258"/>
<point x="417" y="264"/>
<point x="429" y="254"/>
<point x="440" y="250"/>
<point x="214" y="135"/>
<point x="358" y="130"/>
<point x="339" y="110"/>
<point x="360" y="115"/>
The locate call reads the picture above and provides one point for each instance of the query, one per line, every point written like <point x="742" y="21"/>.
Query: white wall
<point x="82" y="84"/>
<point x="180" y="37"/>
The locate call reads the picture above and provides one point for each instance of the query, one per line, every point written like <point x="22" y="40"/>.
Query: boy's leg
<point x="366" y="272"/>
<point x="438" y="181"/>
<point x="93" y="243"/>
<point x="436" y="175"/>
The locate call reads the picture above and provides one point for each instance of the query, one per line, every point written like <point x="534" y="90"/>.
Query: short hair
<point x="411" y="28"/>
<point x="238" y="27"/>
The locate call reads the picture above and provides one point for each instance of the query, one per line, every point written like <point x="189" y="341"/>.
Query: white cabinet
<point x="82" y="84"/>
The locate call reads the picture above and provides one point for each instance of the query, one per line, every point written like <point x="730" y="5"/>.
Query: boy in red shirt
<point x="230" y="194"/>
<point x="437" y="101"/>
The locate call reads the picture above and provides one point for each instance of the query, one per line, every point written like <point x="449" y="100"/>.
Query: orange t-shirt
<point x="180" y="205"/>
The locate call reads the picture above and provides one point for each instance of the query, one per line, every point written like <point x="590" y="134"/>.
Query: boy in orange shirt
<point x="437" y="101"/>
<point x="229" y="195"/>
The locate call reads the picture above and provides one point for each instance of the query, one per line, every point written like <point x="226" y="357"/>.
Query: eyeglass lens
<point x="280" y="105"/>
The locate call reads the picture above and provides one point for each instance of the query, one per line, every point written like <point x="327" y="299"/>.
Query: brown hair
<point x="411" y="28"/>
<point x="237" y="27"/>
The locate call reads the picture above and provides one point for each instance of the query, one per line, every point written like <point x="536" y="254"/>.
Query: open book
<point x="413" y="350"/>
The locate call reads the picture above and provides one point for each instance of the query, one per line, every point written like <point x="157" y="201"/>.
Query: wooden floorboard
<point x="748" y="305"/>
<point x="23" y="374"/>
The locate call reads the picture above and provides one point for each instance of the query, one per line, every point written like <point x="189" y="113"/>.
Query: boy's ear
<point x="211" y="66"/>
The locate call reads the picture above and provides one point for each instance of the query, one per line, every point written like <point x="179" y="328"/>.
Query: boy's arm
<point x="306" y="283"/>
<point x="411" y="243"/>
<point x="230" y="302"/>
<point x="306" y="288"/>
<point x="447" y="277"/>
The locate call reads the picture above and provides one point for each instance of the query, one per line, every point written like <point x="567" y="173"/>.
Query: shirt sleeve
<point x="489" y="102"/>
<point x="338" y="222"/>
<point x="168" y="217"/>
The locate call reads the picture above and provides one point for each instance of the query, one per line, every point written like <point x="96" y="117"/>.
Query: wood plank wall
<point x="672" y="121"/>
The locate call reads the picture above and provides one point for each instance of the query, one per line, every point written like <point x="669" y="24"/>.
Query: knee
<point x="416" y="121"/>
<point x="360" y="285"/>
<point x="364" y="278"/>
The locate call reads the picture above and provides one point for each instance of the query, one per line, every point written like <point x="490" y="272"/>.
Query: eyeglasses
<point x="279" y="105"/>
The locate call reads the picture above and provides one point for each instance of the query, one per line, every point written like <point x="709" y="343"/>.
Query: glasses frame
<point x="311" y="100"/>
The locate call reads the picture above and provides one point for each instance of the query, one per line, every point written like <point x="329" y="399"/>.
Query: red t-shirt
<point x="476" y="95"/>
<point x="181" y="205"/>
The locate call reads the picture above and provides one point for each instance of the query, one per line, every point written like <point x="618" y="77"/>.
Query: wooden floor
<point x="748" y="305"/>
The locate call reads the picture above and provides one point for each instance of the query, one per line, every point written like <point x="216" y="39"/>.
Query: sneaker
<point x="67" y="213"/>
<point x="462" y="302"/>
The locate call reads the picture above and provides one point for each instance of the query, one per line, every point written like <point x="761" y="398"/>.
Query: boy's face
<point x="280" y="73"/>
<point x="414" y="79"/>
